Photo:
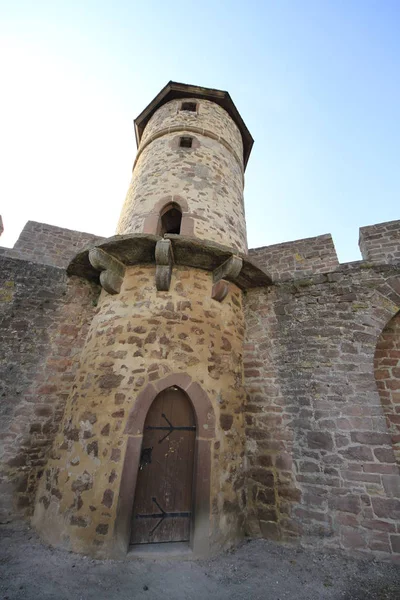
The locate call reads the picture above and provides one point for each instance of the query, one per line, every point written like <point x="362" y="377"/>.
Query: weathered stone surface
<point x="49" y="245"/>
<point x="44" y="319"/>
<point x="312" y="395"/>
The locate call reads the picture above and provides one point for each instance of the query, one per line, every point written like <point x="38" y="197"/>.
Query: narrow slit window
<point x="189" y="106"/>
<point x="185" y="142"/>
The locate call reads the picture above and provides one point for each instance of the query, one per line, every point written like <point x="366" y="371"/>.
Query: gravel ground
<point x="257" y="570"/>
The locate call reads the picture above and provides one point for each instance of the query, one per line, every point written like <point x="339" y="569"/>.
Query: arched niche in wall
<point x="387" y="376"/>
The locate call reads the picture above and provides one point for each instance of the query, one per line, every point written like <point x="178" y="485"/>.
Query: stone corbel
<point x="112" y="270"/>
<point x="228" y="271"/>
<point x="164" y="261"/>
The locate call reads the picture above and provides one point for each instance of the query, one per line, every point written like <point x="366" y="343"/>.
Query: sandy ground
<point x="257" y="570"/>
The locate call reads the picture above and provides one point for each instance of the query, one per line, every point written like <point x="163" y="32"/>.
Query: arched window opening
<point x="171" y="219"/>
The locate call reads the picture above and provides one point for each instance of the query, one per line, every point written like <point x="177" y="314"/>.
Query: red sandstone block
<point x="352" y="538"/>
<point x="388" y="508"/>
<point x="391" y="483"/>
<point x="347" y="519"/>
<point x="378" y="525"/>
<point x="364" y="477"/>
<point x="350" y="503"/>
<point x="370" y="437"/>
<point x="381" y="468"/>
<point x="395" y="543"/>
<point x="309" y="514"/>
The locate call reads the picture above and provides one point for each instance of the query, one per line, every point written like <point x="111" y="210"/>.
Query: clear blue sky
<point x="317" y="83"/>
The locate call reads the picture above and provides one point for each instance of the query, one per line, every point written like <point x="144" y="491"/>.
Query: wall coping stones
<point x="138" y="248"/>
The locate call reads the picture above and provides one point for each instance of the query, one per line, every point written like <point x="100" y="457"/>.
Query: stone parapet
<point x="48" y="244"/>
<point x="380" y="243"/>
<point x="298" y="258"/>
<point x="43" y="323"/>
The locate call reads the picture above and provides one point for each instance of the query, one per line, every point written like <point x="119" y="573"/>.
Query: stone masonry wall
<point x="138" y="337"/>
<point x="206" y="180"/>
<point x="321" y="465"/>
<point x="49" y="245"/>
<point x="298" y="258"/>
<point x="380" y="243"/>
<point x="43" y="323"/>
<point x="387" y="374"/>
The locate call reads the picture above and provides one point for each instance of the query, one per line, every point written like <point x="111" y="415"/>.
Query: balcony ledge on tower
<point x="113" y="255"/>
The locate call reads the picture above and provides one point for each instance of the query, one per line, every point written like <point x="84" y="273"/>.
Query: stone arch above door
<point x="204" y="412"/>
<point x="205" y="432"/>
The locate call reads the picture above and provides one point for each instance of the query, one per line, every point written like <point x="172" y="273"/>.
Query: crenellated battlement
<point x="300" y="257"/>
<point x="49" y="245"/>
<point x="380" y="243"/>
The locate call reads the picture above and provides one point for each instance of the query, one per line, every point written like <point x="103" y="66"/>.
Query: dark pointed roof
<point x="175" y="90"/>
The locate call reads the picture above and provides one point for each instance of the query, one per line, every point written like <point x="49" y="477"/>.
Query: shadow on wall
<point x="387" y="375"/>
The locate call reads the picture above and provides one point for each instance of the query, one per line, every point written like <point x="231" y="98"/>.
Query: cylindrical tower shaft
<point x="190" y="157"/>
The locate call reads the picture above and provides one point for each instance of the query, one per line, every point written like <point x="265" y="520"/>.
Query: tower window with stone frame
<point x="185" y="142"/>
<point x="189" y="106"/>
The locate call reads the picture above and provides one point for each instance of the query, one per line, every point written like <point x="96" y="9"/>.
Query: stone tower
<point x="167" y="336"/>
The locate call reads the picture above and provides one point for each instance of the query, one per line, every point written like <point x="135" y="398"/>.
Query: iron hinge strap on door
<point x="162" y="515"/>
<point x="170" y="428"/>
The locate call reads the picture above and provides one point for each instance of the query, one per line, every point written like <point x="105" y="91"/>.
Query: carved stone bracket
<point x="164" y="261"/>
<point x="229" y="270"/>
<point x="220" y="290"/>
<point x="112" y="270"/>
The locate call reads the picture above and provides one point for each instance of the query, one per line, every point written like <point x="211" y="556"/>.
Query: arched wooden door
<point x="162" y="510"/>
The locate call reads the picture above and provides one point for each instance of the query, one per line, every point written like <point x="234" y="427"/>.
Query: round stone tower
<point x="151" y="448"/>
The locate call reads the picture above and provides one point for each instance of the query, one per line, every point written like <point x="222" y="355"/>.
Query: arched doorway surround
<point x="205" y="433"/>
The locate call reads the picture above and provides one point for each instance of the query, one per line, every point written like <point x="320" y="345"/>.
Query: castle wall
<point x="206" y="180"/>
<point x="298" y="258"/>
<point x="43" y="322"/>
<point x="137" y="338"/>
<point x="380" y="243"/>
<point x="319" y="452"/>
<point x="49" y="245"/>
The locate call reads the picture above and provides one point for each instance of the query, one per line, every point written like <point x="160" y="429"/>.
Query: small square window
<point x="190" y="106"/>
<point x="185" y="142"/>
